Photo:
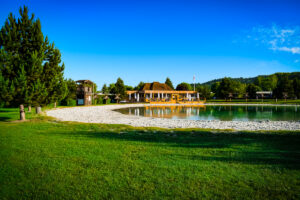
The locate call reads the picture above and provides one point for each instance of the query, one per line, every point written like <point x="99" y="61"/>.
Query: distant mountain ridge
<point x="292" y="75"/>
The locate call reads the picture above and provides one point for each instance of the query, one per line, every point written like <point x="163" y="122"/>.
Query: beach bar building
<point x="84" y="92"/>
<point x="161" y="93"/>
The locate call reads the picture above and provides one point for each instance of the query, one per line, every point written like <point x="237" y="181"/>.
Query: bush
<point x="68" y="102"/>
<point x="99" y="100"/>
<point x="107" y="101"/>
<point x="2" y="104"/>
<point x="71" y="102"/>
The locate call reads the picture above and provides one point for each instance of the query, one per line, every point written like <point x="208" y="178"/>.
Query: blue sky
<point x="151" y="40"/>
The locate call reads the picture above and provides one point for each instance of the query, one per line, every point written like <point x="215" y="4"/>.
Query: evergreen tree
<point x="120" y="88"/>
<point x="112" y="88"/>
<point x="139" y="86"/>
<point x="104" y="89"/>
<point x="169" y="83"/>
<point x="29" y="64"/>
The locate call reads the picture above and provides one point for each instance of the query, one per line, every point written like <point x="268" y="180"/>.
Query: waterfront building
<point x="161" y="93"/>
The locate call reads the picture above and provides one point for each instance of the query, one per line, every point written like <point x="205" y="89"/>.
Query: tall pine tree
<point x="30" y="67"/>
<point x="169" y="83"/>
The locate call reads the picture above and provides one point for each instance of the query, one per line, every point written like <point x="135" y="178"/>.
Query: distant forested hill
<point x="291" y="75"/>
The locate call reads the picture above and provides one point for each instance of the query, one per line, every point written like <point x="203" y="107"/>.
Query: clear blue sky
<point x="151" y="40"/>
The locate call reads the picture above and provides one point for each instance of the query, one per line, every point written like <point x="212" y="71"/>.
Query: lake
<point x="218" y="112"/>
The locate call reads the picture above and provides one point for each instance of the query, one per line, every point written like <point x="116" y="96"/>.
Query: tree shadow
<point x="274" y="148"/>
<point x="4" y="119"/>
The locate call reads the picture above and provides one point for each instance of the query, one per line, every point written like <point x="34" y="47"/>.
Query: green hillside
<point x="291" y="75"/>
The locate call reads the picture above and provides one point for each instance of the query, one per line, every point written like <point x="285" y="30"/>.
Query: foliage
<point x="94" y="86"/>
<point x="296" y="87"/>
<point x="184" y="86"/>
<point x="68" y="102"/>
<point x="267" y="83"/>
<point x="120" y="88"/>
<point x="30" y="66"/>
<point x="71" y="92"/>
<point x="112" y="88"/>
<point x="292" y="76"/>
<point x="99" y="100"/>
<point x="226" y="87"/>
<point x="139" y="86"/>
<point x="215" y="87"/>
<point x="128" y="88"/>
<point x="105" y="89"/>
<point x="285" y="85"/>
<point x="204" y="91"/>
<point x="251" y="90"/>
<point x="169" y="83"/>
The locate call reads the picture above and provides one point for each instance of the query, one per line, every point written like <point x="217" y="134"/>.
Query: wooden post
<point x="38" y="109"/>
<point x="22" y="112"/>
<point x="55" y="104"/>
<point x="29" y="108"/>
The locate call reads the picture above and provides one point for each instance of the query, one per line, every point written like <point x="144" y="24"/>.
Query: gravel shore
<point x="106" y="115"/>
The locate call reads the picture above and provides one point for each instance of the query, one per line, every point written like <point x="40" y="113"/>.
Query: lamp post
<point x="246" y="96"/>
<point x="230" y="96"/>
<point x="285" y="95"/>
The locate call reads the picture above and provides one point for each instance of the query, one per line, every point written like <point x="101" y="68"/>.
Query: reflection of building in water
<point x="224" y="113"/>
<point x="172" y="111"/>
<point x="161" y="93"/>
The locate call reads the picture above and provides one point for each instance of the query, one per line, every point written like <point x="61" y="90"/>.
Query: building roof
<point x="157" y="86"/>
<point x="84" y="81"/>
<point x="264" y="92"/>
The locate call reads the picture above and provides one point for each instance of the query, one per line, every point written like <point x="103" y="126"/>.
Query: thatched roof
<point x="156" y="86"/>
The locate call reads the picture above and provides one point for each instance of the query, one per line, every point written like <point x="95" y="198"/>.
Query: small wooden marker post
<point x="22" y="112"/>
<point x="29" y="108"/>
<point x="38" y="109"/>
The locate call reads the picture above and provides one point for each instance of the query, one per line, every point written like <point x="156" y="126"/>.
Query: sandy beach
<point x="107" y="115"/>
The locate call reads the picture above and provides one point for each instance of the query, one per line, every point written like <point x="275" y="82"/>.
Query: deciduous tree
<point x="184" y="86"/>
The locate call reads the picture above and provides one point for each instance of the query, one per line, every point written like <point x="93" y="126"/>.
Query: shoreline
<point x="107" y="115"/>
<point x="249" y="104"/>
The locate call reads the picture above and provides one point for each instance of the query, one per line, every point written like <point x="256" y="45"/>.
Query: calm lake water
<point x="223" y="113"/>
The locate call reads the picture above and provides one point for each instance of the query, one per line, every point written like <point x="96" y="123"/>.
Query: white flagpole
<point x="194" y="81"/>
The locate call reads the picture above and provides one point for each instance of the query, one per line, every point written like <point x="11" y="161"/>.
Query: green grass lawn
<point x="46" y="159"/>
<point x="256" y="101"/>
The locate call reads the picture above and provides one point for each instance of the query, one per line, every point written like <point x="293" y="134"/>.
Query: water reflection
<point x="224" y="113"/>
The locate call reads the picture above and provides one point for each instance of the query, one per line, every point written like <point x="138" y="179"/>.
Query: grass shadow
<point x="274" y="148"/>
<point x="5" y="119"/>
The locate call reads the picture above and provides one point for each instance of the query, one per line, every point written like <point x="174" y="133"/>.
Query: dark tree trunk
<point x="38" y="109"/>
<point x="22" y="112"/>
<point x="29" y="108"/>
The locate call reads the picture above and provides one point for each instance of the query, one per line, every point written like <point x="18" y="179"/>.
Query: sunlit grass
<point x="46" y="159"/>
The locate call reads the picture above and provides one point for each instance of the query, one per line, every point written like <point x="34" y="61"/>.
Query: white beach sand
<point x="106" y="115"/>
